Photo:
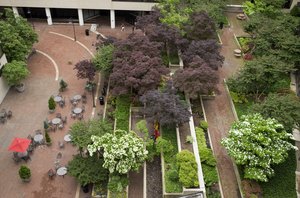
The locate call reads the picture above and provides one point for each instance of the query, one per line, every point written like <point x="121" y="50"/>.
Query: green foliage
<point x="189" y="139"/>
<point x="24" y="172"/>
<point x="103" y="58"/>
<point x="117" y="183"/>
<point x="62" y="85"/>
<point x="15" y="72"/>
<point x="267" y="7"/>
<point x="169" y="134"/>
<point x="188" y="175"/>
<point x="122" y="112"/>
<point x="165" y="58"/>
<point x="284" y="108"/>
<point x="295" y="11"/>
<point x="51" y="103"/>
<point x="172" y="174"/>
<point x="163" y="145"/>
<point x="141" y="126"/>
<point x="82" y="131"/>
<point x="87" y="170"/>
<point x="244" y="43"/>
<point x="238" y="97"/>
<point x="17" y="36"/>
<point x="210" y="174"/>
<point x="204" y="125"/>
<point x="151" y="148"/>
<point x="173" y="56"/>
<point x="48" y="139"/>
<point x="257" y="143"/>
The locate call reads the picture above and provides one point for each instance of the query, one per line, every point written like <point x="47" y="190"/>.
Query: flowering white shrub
<point x="257" y="143"/>
<point x="122" y="151"/>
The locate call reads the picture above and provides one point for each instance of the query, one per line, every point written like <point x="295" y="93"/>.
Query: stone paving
<point x="30" y="109"/>
<point x="218" y="111"/>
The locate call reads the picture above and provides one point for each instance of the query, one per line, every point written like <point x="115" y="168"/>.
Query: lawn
<point x="122" y="112"/>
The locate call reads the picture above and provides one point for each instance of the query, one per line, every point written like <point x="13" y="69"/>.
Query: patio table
<point x="22" y="154"/>
<point x="56" y="121"/>
<point x="62" y="171"/>
<point x="77" y="97"/>
<point x="67" y="138"/>
<point x="57" y="98"/>
<point x="38" y="138"/>
<point x="77" y="110"/>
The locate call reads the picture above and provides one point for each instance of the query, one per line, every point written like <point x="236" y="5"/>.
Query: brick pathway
<point x="218" y="111"/>
<point x="31" y="108"/>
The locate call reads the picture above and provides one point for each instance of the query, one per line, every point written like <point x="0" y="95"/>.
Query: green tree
<point x="17" y="36"/>
<point x="122" y="151"/>
<point x="261" y="76"/>
<point x="103" y="58"/>
<point x="15" y="72"/>
<point x="267" y="7"/>
<point x="87" y="170"/>
<point x="256" y="144"/>
<point x="51" y="103"/>
<point x="284" y="108"/>
<point x="82" y="132"/>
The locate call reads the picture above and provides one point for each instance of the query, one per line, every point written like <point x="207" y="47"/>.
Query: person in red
<point x="156" y="134"/>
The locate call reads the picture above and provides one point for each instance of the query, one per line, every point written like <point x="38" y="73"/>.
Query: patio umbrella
<point x="19" y="145"/>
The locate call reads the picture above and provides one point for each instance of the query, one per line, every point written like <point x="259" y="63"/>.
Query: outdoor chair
<point x="16" y="157"/>
<point x="51" y="173"/>
<point x="84" y="101"/>
<point x="73" y="115"/>
<point x="80" y="116"/>
<point x="61" y="104"/>
<point x="61" y="145"/>
<point x="38" y="132"/>
<point x="61" y="126"/>
<point x="83" y="108"/>
<point x="59" y="155"/>
<point x="2" y="120"/>
<point x="64" y="120"/>
<point x="9" y="114"/>
<point x="58" y="115"/>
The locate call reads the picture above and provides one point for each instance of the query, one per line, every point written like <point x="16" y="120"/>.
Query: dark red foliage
<point x="200" y="27"/>
<point x="85" y="70"/>
<point x="137" y="66"/>
<point x="196" y="81"/>
<point x="165" y="107"/>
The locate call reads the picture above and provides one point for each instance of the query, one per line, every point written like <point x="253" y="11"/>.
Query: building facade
<point x="3" y="84"/>
<point x="78" y="10"/>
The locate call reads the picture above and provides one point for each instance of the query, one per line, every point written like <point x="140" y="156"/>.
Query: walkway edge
<point x="53" y="62"/>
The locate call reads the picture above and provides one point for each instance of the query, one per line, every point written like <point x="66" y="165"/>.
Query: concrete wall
<point x="3" y="85"/>
<point x="82" y="4"/>
<point x="294" y="3"/>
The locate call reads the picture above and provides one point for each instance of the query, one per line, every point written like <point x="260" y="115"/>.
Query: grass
<point x="283" y="183"/>
<point x="122" y="112"/>
<point x="169" y="134"/>
<point x="242" y="108"/>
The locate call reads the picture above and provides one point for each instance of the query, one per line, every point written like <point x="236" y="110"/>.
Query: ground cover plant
<point x="122" y="112"/>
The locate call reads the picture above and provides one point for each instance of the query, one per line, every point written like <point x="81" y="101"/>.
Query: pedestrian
<point x="122" y="27"/>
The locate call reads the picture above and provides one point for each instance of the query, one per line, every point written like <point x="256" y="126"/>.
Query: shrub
<point x="151" y="148"/>
<point x="24" y="172"/>
<point x="238" y="97"/>
<point x="48" y="139"/>
<point x="163" y="145"/>
<point x="295" y="11"/>
<point x="122" y="112"/>
<point x="62" y="85"/>
<point x="117" y="183"/>
<point x="204" y="125"/>
<point x="15" y="72"/>
<point x="172" y="174"/>
<point x="210" y="174"/>
<point x="51" y="103"/>
<point x="189" y="139"/>
<point x="188" y="175"/>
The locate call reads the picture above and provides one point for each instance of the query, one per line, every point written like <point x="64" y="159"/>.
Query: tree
<point x="15" y="72"/>
<point x="103" y="59"/>
<point x="17" y="36"/>
<point x="82" y="131"/>
<point x="85" y="70"/>
<point x="284" y="108"/>
<point x="51" y="103"/>
<point x="256" y="144"/>
<point x="200" y="27"/>
<point x="196" y="81"/>
<point x="87" y="170"/>
<point x="137" y="66"/>
<point x="165" y="107"/>
<point x="122" y="151"/>
<point x="208" y="51"/>
<point x="266" y="7"/>
<point x="261" y="76"/>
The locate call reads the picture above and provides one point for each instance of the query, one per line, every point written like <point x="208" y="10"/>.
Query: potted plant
<point x="51" y="104"/>
<point x="48" y="139"/>
<point x="14" y="73"/>
<point x="62" y="85"/>
<point x="24" y="173"/>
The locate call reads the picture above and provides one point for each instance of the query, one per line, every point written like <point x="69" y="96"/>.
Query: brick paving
<point x="30" y="109"/>
<point x="218" y="111"/>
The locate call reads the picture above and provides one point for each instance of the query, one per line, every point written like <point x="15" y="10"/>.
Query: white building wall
<point x="294" y="2"/>
<point x="3" y="85"/>
<point x="80" y="4"/>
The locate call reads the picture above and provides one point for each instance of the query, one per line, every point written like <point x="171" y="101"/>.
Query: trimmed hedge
<point x="122" y="112"/>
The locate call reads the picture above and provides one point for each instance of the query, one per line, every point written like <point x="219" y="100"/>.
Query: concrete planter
<point x="20" y="88"/>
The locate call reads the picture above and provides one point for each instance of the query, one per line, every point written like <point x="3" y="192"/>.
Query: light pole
<point x="73" y="28"/>
<point x="29" y="12"/>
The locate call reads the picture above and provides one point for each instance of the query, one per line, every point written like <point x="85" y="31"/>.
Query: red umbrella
<point x="19" y="145"/>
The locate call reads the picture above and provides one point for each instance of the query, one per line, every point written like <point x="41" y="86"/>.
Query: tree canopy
<point x="137" y="66"/>
<point x="122" y="151"/>
<point x="165" y="107"/>
<point x="103" y="58"/>
<point x="17" y="36"/>
<point x="15" y="72"/>
<point x="85" y="70"/>
<point x="284" y="108"/>
<point x="256" y="144"/>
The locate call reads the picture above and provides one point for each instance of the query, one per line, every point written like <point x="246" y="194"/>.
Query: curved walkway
<point x="218" y="111"/>
<point x="53" y="62"/>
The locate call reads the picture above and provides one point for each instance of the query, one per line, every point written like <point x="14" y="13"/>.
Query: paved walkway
<point x="30" y="109"/>
<point x="218" y="111"/>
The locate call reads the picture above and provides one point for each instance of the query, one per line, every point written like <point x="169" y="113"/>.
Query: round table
<point x="62" y="171"/>
<point x="38" y="138"/>
<point x="57" y="98"/>
<point x="237" y="51"/>
<point x="22" y="154"/>
<point x="77" y="110"/>
<point x="67" y="138"/>
<point x="56" y="121"/>
<point x="77" y="97"/>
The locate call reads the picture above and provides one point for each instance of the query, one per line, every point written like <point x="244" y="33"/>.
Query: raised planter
<point x="20" y="88"/>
